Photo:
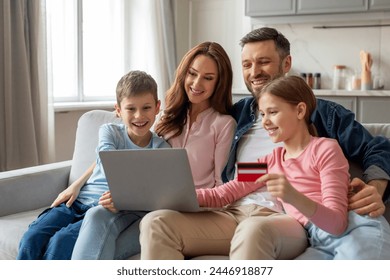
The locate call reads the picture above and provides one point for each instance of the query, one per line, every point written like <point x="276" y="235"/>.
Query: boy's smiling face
<point x="138" y="113"/>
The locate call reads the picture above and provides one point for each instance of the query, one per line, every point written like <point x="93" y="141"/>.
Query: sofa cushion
<point x="87" y="136"/>
<point x="11" y="231"/>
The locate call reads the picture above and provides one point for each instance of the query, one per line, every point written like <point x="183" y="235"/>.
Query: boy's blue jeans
<point x="106" y="236"/>
<point x="53" y="234"/>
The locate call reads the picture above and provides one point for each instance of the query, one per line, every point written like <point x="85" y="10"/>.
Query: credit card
<point x="251" y="171"/>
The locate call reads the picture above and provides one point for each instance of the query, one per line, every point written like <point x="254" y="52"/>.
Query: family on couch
<point x="265" y="57"/>
<point x="309" y="175"/>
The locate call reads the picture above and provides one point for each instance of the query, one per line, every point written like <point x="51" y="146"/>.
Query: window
<point x="88" y="50"/>
<point x="92" y="43"/>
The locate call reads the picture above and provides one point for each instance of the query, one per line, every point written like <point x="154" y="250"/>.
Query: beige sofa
<point x="24" y="193"/>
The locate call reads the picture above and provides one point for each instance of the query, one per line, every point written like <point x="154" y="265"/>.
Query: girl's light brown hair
<point x="177" y="102"/>
<point x="293" y="90"/>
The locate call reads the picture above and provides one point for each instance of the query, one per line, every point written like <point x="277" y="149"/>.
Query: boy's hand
<point x="69" y="195"/>
<point x="71" y="192"/>
<point x="106" y="201"/>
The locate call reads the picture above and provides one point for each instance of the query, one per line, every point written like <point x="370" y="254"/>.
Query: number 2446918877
<point x="257" y="270"/>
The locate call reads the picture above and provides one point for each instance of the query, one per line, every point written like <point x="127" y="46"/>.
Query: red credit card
<point x="251" y="171"/>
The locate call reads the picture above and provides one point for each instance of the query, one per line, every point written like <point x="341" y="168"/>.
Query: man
<point x="265" y="56"/>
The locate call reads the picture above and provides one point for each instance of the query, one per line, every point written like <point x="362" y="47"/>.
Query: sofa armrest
<point x="33" y="187"/>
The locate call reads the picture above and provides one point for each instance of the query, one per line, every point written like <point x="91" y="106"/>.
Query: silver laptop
<point x="150" y="179"/>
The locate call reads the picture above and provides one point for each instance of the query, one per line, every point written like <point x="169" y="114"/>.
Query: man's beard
<point x="255" y="92"/>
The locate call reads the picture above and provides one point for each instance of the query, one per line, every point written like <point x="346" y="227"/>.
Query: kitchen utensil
<point x="366" y="62"/>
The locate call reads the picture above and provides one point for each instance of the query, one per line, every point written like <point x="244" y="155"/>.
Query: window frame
<point x="79" y="81"/>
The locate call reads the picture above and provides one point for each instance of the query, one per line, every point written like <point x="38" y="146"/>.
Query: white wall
<point x="317" y="50"/>
<point x="221" y="21"/>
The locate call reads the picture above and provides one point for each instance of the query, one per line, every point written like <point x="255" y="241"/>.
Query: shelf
<point x="330" y="92"/>
<point x="362" y="93"/>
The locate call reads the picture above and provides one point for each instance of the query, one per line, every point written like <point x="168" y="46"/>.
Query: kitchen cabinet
<point x="373" y="109"/>
<point x="331" y="6"/>
<point x="379" y="5"/>
<point x="270" y="7"/>
<point x="264" y="8"/>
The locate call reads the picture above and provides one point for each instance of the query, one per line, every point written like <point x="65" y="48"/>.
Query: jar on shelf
<point x="317" y="81"/>
<point x="356" y="81"/>
<point x="309" y="79"/>
<point x="339" y="77"/>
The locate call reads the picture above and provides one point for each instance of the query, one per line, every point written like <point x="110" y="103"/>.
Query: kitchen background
<point x="318" y="50"/>
<point x="313" y="49"/>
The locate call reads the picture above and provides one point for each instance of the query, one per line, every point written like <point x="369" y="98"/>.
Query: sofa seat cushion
<point x="205" y="257"/>
<point x="12" y="228"/>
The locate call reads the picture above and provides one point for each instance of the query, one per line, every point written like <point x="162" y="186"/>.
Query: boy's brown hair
<point x="134" y="83"/>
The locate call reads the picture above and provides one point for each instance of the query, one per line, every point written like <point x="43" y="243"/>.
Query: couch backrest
<point x="87" y="140"/>
<point x="378" y="129"/>
<point x="382" y="129"/>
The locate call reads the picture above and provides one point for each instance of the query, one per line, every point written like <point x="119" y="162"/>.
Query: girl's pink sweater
<point x="320" y="172"/>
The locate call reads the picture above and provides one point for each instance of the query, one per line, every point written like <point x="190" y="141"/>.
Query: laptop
<point x="150" y="179"/>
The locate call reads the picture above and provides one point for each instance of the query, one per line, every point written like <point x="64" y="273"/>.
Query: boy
<point x="53" y="234"/>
